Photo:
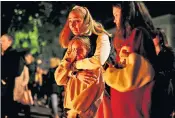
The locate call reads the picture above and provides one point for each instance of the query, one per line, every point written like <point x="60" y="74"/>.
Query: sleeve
<point x="101" y="54"/>
<point x="61" y="73"/>
<point x="136" y="74"/>
<point x="26" y="75"/>
<point x="144" y="45"/>
<point x="85" y="99"/>
<point x="21" y="62"/>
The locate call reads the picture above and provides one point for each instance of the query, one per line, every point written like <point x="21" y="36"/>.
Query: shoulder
<point x="142" y="31"/>
<point x="13" y="51"/>
<point x="103" y="36"/>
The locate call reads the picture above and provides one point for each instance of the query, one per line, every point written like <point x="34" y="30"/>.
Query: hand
<point x="24" y="84"/>
<point x="71" y="55"/>
<point x="71" y="114"/>
<point x="124" y="53"/>
<point x="86" y="76"/>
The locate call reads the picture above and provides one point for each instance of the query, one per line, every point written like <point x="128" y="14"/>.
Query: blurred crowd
<point x="31" y="74"/>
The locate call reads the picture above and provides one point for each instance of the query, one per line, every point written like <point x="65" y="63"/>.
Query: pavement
<point x="39" y="112"/>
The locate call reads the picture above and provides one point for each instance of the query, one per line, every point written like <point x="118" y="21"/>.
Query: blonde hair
<point x="85" y="41"/>
<point x="89" y="26"/>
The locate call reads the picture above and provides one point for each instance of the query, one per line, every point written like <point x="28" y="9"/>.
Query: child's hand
<point x="71" y="55"/>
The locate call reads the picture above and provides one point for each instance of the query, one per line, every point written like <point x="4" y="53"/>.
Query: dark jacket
<point x="12" y="66"/>
<point x="163" y="92"/>
<point x="32" y="71"/>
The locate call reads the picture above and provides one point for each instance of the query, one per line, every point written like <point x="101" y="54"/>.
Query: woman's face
<point x="75" y="22"/>
<point x="156" y="41"/>
<point x="117" y="16"/>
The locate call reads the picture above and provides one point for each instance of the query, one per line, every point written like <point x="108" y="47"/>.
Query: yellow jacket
<point x="80" y="98"/>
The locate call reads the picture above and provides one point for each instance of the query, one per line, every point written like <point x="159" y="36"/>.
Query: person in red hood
<point x="132" y="80"/>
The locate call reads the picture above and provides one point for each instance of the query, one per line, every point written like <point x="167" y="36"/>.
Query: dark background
<point x="101" y="11"/>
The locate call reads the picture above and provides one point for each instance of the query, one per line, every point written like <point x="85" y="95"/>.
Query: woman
<point x="79" y="100"/>
<point x="21" y="84"/>
<point x="163" y="104"/>
<point x="132" y="83"/>
<point x="81" y="23"/>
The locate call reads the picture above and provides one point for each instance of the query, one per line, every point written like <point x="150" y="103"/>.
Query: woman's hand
<point x="124" y="54"/>
<point x="87" y="76"/>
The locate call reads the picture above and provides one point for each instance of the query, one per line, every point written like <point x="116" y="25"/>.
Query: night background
<point x="100" y="11"/>
<point x="36" y="25"/>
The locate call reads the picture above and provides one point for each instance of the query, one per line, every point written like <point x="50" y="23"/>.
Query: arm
<point x="136" y="74"/>
<point x="63" y="70"/>
<point x="61" y="73"/>
<point x="100" y="56"/>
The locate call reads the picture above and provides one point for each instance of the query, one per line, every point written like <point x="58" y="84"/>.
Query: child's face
<point x="81" y="50"/>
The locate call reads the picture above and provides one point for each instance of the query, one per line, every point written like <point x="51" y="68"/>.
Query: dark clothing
<point x="163" y="92"/>
<point x="32" y="71"/>
<point x="53" y="88"/>
<point x="12" y="66"/>
<point x="51" y="83"/>
<point x="93" y="40"/>
<point x="165" y="59"/>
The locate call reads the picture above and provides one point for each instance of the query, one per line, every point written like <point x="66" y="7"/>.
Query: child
<point x="81" y="99"/>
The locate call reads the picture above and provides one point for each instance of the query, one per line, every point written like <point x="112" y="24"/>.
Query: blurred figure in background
<point x="21" y="83"/>
<point x="12" y="67"/>
<point x="164" y="95"/>
<point x="31" y="64"/>
<point x="54" y="91"/>
<point x="38" y="84"/>
<point x="40" y="88"/>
